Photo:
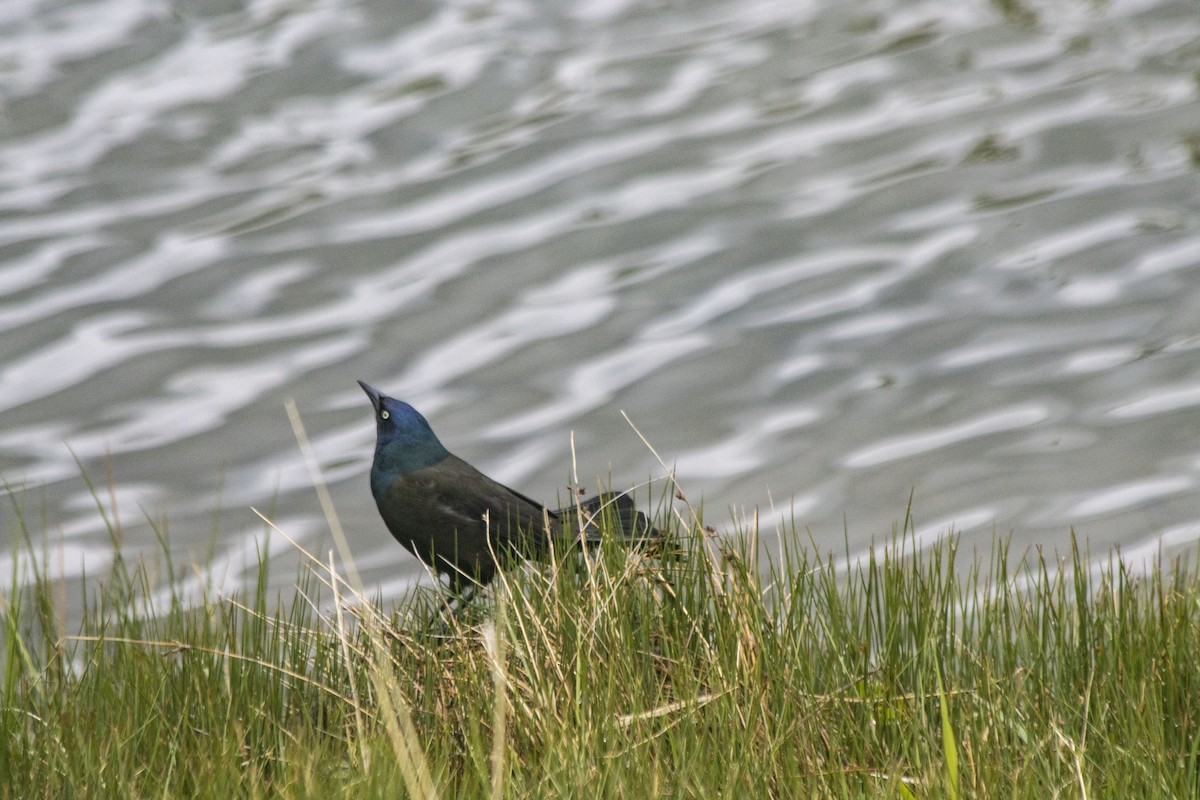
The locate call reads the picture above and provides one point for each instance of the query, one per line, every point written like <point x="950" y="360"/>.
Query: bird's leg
<point x="463" y="595"/>
<point x="455" y="602"/>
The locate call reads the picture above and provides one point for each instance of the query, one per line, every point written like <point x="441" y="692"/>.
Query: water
<point x="823" y="255"/>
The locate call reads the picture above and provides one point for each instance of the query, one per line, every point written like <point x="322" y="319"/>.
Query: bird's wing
<point x="467" y="493"/>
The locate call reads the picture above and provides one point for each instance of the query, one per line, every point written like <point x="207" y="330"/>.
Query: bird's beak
<point x="373" y="393"/>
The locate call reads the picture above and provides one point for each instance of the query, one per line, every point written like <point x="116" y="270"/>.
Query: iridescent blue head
<point x="404" y="442"/>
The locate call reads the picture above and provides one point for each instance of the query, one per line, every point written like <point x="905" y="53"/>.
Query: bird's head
<point x="403" y="439"/>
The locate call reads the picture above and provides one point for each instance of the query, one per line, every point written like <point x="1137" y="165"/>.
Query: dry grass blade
<point x="327" y="507"/>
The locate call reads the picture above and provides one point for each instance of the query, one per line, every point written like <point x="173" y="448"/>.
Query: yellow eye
<point x="384" y="414"/>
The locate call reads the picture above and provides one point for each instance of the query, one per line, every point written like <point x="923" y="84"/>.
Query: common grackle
<point x="458" y="520"/>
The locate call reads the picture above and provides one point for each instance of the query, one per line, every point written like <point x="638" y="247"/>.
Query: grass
<point x="701" y="670"/>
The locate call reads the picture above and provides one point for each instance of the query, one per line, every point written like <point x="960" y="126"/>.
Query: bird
<point x="460" y="522"/>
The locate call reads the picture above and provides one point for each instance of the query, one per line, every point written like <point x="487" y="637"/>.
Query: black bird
<point x="458" y="520"/>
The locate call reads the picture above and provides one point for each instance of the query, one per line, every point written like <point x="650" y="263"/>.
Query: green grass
<point x="702" y="670"/>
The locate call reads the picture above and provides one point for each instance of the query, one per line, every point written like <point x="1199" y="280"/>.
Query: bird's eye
<point x="384" y="414"/>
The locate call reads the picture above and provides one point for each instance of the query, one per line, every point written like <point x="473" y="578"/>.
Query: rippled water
<point x="824" y="255"/>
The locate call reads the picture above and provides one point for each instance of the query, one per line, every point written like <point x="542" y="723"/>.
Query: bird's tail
<point x="620" y="508"/>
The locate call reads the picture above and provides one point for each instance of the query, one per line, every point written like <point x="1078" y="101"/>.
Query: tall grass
<point x="703" y="668"/>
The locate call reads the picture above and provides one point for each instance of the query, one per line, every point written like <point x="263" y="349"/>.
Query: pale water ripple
<point x="823" y="255"/>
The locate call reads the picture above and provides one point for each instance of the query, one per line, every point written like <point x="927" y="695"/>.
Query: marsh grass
<point x="702" y="668"/>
